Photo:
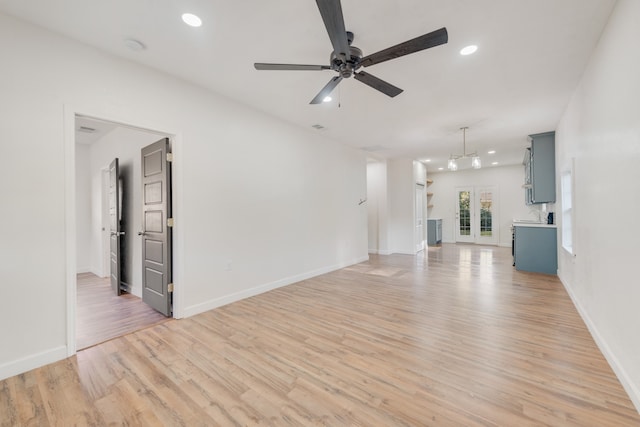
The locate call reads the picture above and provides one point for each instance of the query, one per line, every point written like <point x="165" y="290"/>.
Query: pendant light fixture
<point x="453" y="158"/>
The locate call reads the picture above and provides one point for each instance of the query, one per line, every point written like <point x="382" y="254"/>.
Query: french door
<point x="476" y="215"/>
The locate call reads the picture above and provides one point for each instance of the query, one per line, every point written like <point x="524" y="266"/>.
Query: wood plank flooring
<point x="455" y="338"/>
<point x="101" y="315"/>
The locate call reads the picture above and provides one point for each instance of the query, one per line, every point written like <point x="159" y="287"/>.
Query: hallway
<point x="102" y="316"/>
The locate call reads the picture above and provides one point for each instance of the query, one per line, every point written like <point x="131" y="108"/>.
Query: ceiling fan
<point x="346" y="60"/>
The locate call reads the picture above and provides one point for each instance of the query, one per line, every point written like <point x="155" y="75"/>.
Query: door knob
<point x="117" y="233"/>
<point x="141" y="233"/>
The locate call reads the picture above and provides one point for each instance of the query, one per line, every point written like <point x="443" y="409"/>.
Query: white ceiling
<point x="89" y="130"/>
<point x="531" y="56"/>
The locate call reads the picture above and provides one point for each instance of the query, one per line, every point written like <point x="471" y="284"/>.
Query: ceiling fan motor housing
<point x="346" y="68"/>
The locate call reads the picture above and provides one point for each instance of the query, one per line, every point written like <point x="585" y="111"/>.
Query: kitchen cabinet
<point x="434" y="231"/>
<point x="540" y="169"/>
<point x="536" y="248"/>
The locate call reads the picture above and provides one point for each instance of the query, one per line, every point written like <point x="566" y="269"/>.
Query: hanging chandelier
<point x="453" y="158"/>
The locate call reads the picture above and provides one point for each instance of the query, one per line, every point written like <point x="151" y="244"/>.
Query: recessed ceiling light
<point x="494" y="163"/>
<point x="426" y="160"/>
<point x="134" y="45"/>
<point x="191" y="19"/>
<point x="491" y="152"/>
<point x="327" y="99"/>
<point x="440" y="169"/>
<point x="468" y="50"/>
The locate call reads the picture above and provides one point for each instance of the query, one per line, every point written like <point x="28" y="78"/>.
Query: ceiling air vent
<point x="86" y="129"/>
<point x="319" y="127"/>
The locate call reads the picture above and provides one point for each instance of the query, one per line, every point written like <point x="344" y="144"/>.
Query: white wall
<point x="401" y="194"/>
<point x="508" y="181"/>
<point x="377" y="207"/>
<point x="600" y="130"/>
<point x="391" y="192"/>
<point x="83" y="209"/>
<point x="256" y="208"/>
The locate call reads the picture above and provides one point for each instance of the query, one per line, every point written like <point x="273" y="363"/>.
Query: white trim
<point x="69" y="116"/>
<point x="632" y="390"/>
<point x="228" y="299"/>
<point x="380" y="252"/>
<point x="567" y="235"/>
<point x="402" y="253"/>
<point x="177" y="194"/>
<point x="81" y="270"/>
<point x="70" y="225"/>
<point x="33" y="361"/>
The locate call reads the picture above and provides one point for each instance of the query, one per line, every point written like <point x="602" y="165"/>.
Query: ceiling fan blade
<point x="376" y="83"/>
<point x="326" y="90"/>
<point x="331" y="11"/>
<point x="432" y="39"/>
<point x="291" y="67"/>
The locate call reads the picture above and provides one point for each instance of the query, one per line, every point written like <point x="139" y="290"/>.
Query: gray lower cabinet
<point x="536" y="249"/>
<point x="434" y="231"/>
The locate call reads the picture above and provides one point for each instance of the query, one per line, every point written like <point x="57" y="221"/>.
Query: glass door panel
<point x="486" y="203"/>
<point x="464" y="215"/>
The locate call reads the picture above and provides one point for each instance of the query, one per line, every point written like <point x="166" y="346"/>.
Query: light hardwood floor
<point x="455" y="338"/>
<point x="101" y="315"/>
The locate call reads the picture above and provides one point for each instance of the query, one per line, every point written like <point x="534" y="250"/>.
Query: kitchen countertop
<point x="517" y="223"/>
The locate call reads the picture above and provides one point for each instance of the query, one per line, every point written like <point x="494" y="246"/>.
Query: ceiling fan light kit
<point x="347" y="60"/>
<point x="476" y="163"/>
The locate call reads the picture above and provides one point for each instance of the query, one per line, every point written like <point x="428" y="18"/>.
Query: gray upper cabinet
<point x="540" y="169"/>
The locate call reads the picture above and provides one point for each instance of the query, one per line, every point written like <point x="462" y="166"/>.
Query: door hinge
<point x="170" y="222"/>
<point x="170" y="287"/>
<point x="169" y="157"/>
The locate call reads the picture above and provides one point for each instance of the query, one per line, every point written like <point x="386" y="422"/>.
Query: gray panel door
<point x="156" y="232"/>
<point x="114" y="226"/>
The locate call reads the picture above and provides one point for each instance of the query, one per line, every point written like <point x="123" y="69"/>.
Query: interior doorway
<point x="100" y="314"/>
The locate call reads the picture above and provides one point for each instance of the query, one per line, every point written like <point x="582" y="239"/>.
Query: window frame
<point x="567" y="191"/>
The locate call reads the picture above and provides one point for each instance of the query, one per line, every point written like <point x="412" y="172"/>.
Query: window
<point x="566" y="187"/>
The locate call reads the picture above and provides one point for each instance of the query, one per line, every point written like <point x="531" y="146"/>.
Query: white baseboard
<point x="380" y="251"/>
<point x="80" y="270"/>
<point x="31" y="362"/>
<point x="632" y="390"/>
<point x="136" y="290"/>
<point x="228" y="299"/>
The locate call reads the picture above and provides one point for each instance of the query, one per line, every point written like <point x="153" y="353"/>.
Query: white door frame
<point x="69" y="117"/>
<point x="105" y="234"/>
<point x="419" y="216"/>
<point x="475" y="209"/>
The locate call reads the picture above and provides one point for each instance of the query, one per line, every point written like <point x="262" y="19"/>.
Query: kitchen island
<point x="535" y="247"/>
